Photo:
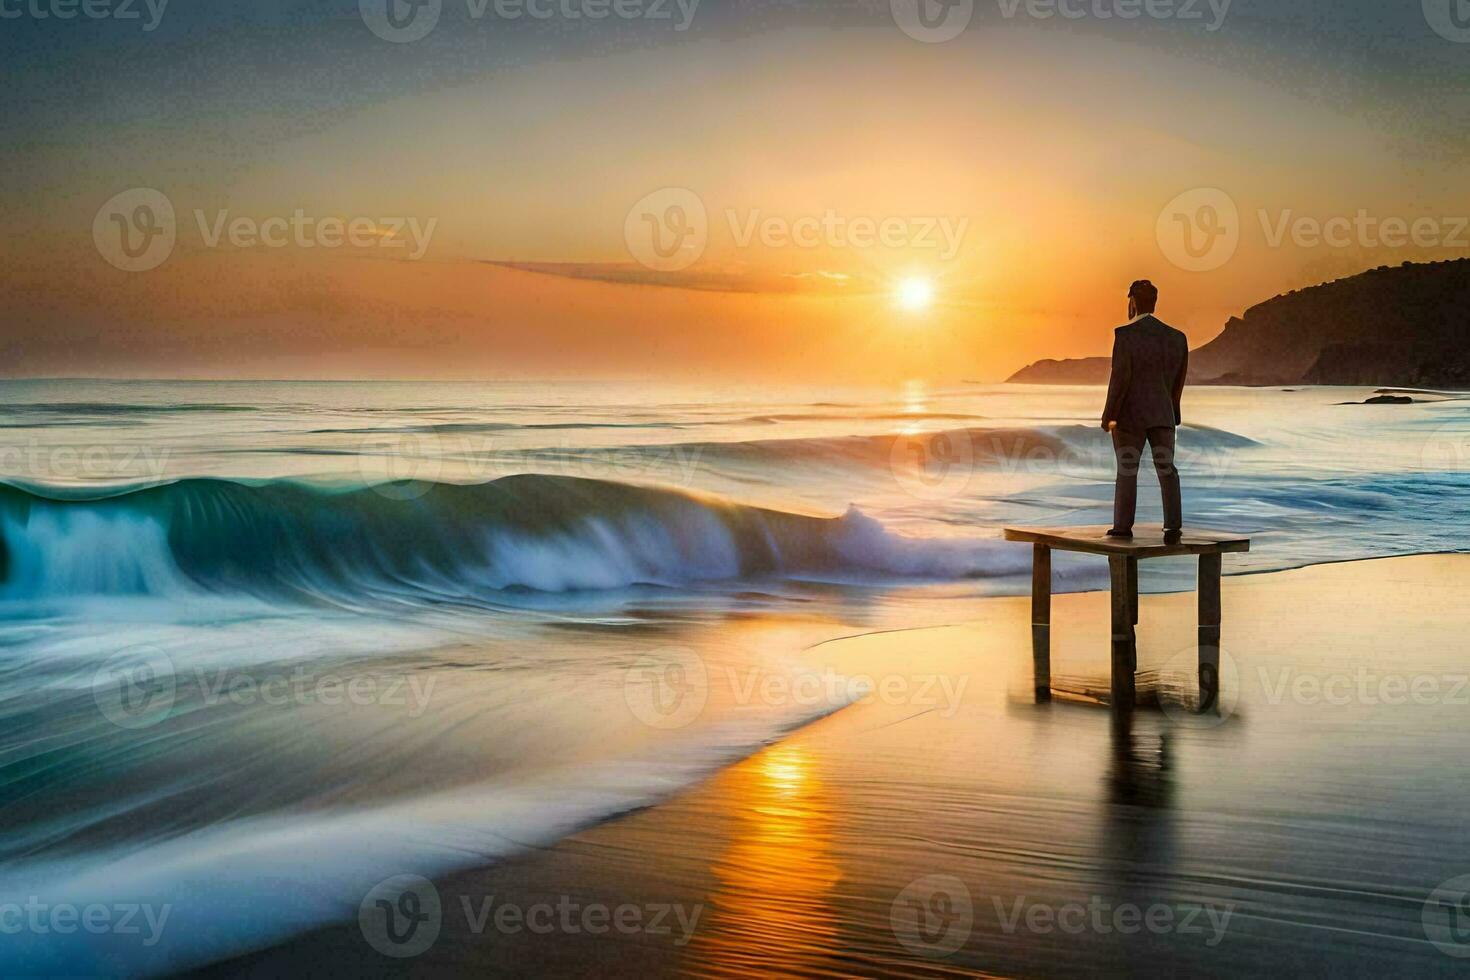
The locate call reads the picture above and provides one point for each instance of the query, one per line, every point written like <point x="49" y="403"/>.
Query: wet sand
<point x="952" y="825"/>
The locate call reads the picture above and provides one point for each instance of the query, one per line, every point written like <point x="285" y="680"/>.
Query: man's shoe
<point x="1125" y="535"/>
<point x="1174" y="536"/>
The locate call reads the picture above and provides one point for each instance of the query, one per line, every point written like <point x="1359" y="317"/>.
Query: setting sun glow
<point x="915" y="294"/>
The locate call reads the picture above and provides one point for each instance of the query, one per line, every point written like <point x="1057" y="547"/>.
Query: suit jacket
<point x="1150" y="360"/>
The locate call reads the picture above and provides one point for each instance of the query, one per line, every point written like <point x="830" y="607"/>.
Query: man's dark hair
<point x="1145" y="295"/>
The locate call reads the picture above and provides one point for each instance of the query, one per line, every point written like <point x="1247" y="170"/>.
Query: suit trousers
<point x="1128" y="449"/>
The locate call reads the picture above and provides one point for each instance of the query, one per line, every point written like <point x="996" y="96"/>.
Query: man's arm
<point x="1118" y="383"/>
<point x="1179" y="386"/>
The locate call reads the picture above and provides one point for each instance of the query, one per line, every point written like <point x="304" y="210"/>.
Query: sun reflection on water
<point x="771" y="904"/>
<point x="915" y="400"/>
<point x="915" y="397"/>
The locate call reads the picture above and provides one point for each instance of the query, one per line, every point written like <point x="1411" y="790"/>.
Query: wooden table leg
<point x="1041" y="620"/>
<point x="1133" y="586"/>
<point x="1209" y="631"/>
<point x="1125" y="655"/>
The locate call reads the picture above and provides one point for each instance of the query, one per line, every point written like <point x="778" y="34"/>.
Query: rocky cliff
<point x="1405" y="325"/>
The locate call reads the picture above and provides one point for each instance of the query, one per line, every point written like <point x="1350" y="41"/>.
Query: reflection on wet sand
<point x="772" y="902"/>
<point x="1139" y="773"/>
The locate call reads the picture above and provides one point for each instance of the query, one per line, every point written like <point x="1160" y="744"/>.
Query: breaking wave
<point x="443" y="541"/>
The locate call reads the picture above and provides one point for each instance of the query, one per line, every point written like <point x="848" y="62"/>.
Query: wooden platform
<point x="1123" y="556"/>
<point x="1147" y="541"/>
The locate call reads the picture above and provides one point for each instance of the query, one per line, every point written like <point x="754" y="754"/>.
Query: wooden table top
<point x="1147" y="542"/>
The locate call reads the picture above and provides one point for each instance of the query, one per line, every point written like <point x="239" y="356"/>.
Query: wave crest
<point x="444" y="541"/>
<point x="1044" y="448"/>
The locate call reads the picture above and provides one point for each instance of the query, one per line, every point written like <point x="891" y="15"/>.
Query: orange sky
<point x="1024" y="175"/>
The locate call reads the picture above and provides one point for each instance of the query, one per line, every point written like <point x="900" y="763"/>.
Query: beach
<point x="635" y="488"/>
<point x="1301" y="829"/>
<point x="278" y="658"/>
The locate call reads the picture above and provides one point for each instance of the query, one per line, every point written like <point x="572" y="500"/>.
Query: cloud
<point x="714" y="280"/>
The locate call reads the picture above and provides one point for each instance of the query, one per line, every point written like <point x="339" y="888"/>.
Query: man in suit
<point x="1150" y="360"/>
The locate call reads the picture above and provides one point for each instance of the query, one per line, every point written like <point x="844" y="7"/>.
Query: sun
<point x="915" y="294"/>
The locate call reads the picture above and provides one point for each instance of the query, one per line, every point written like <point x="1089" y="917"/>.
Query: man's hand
<point x="1110" y="426"/>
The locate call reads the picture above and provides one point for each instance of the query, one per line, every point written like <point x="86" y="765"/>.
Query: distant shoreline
<point x="1373" y="328"/>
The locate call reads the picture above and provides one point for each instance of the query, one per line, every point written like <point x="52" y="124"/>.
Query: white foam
<point x="247" y="884"/>
<point x="71" y="550"/>
<point x="865" y="543"/>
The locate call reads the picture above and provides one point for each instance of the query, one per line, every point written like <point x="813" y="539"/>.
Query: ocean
<point x="266" y="644"/>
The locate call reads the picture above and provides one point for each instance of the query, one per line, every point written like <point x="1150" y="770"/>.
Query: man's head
<point x="1143" y="297"/>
